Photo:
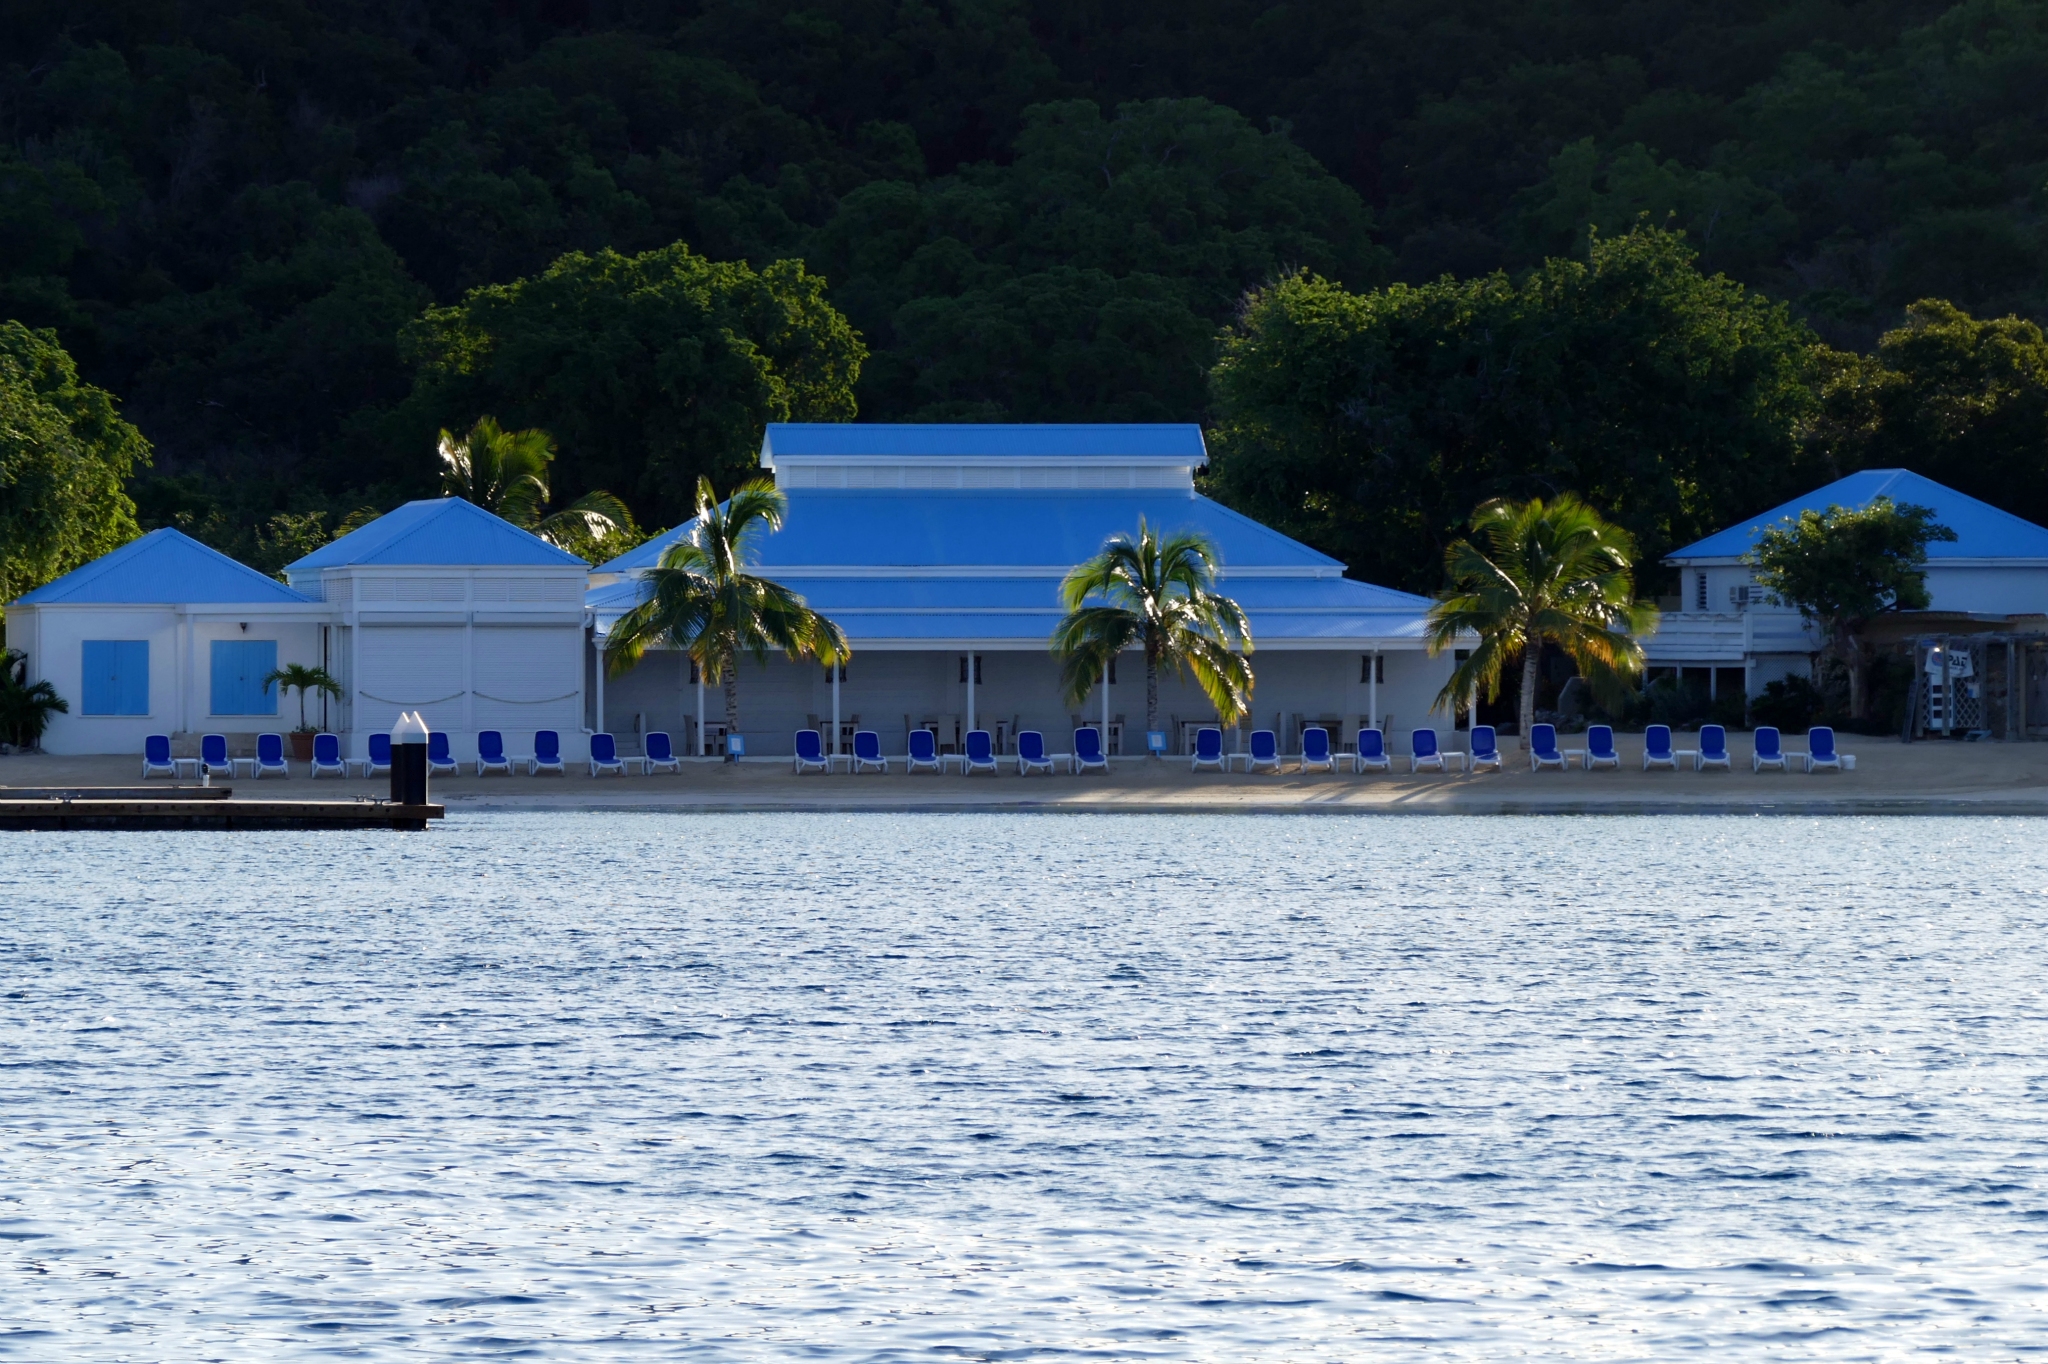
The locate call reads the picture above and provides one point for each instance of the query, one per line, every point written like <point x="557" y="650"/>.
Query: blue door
<point x="116" y="680"/>
<point x="239" y="667"/>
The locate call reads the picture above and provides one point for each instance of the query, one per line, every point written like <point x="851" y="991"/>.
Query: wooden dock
<point x="196" y="807"/>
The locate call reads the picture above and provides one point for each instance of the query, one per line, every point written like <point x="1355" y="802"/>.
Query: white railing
<point x="1728" y="636"/>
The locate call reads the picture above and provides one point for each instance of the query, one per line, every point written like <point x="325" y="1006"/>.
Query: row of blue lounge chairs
<point x="1424" y="751"/>
<point x="328" y="761"/>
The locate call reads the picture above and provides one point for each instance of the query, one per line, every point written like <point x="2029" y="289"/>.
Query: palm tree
<point x="1554" y="572"/>
<point x="706" y="604"/>
<point x="1160" y="595"/>
<point x="506" y="472"/>
<point x="300" y="678"/>
<point x="25" y="706"/>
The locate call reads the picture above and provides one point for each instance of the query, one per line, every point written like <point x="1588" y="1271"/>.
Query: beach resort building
<point x="938" y="550"/>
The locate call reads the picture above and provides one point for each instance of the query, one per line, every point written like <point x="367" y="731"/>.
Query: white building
<point x="1726" y="629"/>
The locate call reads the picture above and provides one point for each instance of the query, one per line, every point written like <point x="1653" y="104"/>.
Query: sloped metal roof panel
<point x="1165" y="442"/>
<point x="164" y="567"/>
<point x="438" y="531"/>
<point x="1982" y="530"/>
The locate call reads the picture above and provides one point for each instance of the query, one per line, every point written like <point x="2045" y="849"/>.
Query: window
<point x="1371" y="664"/>
<point x="977" y="669"/>
<point x="1701" y="592"/>
<point x="695" y="677"/>
<point x="116" y="680"/>
<point x="1112" y="670"/>
<point x="239" y="667"/>
<point x="828" y="672"/>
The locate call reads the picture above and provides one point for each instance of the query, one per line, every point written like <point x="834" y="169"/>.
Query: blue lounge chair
<point x="379" y="762"/>
<point x="1087" y="751"/>
<point x="810" y="752"/>
<point x="440" y="761"/>
<point x="547" y="754"/>
<point x="1769" y="750"/>
<point x="270" y="756"/>
<point x="1713" y="749"/>
<point x="213" y="755"/>
<point x="977" y="752"/>
<point x="867" y="751"/>
<point x="1485" y="748"/>
<point x="1600" y="748"/>
<point x="1315" y="750"/>
<point x="1422" y="751"/>
<point x="1543" y="750"/>
<point x="1264" y="751"/>
<point x="924" y="752"/>
<point x="1031" y="753"/>
<point x="1372" y="752"/>
<point x="1820" y="749"/>
<point x="1657" y="748"/>
<point x="658" y="754"/>
<point x="604" y="755"/>
<point x="1208" y="750"/>
<point x="156" y="757"/>
<point x="327" y="756"/>
<point x="490" y="753"/>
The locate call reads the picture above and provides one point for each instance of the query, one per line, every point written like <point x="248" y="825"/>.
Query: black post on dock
<point x="409" y="760"/>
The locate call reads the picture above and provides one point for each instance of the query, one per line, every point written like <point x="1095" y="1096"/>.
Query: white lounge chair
<point x="1088" y="756"/>
<point x="1543" y="750"/>
<point x="1769" y="750"/>
<point x="327" y="759"/>
<point x="270" y="756"/>
<point x="1600" y="748"/>
<point x="1315" y="750"/>
<point x="979" y="753"/>
<point x="1031" y="753"/>
<point x="1713" y="749"/>
<point x="867" y="751"/>
<point x="547" y="754"/>
<point x="1264" y="751"/>
<point x="658" y="754"/>
<point x="490" y="753"/>
<point x="1820" y="749"/>
<point x="156" y="757"/>
<point x="810" y="752"/>
<point x="1208" y="750"/>
<point x="604" y="755"/>
<point x="1422" y="751"/>
<point x="1372" y="752"/>
<point x="1657" y="748"/>
<point x="923" y="752"/>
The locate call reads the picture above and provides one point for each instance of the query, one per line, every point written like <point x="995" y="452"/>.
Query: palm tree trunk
<point x="728" y="675"/>
<point x="1851" y="650"/>
<point x="1532" y="659"/>
<point x="1151" y="686"/>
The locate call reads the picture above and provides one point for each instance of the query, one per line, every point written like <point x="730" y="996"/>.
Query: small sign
<point x="736" y="745"/>
<point x="1155" y="741"/>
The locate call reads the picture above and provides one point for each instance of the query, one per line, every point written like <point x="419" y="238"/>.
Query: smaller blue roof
<point x="1982" y="530"/>
<point x="1179" y="442"/>
<point x="164" y="567"/>
<point x="436" y="530"/>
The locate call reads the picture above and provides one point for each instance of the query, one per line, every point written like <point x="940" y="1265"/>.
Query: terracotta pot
<point x="302" y="746"/>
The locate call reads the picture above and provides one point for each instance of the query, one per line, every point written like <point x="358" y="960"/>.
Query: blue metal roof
<point x="938" y="529"/>
<point x="164" y="567"/>
<point x="438" y="530"/>
<point x="1982" y="530"/>
<point x="1177" y="442"/>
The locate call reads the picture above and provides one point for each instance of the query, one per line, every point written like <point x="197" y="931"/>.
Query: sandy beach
<point x="1890" y="778"/>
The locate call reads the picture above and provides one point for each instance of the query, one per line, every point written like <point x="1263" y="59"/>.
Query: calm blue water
<point x="615" y="1087"/>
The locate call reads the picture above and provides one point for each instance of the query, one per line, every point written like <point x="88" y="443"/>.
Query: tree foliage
<point x="1370" y="424"/>
<point x="506" y="473"/>
<point x="652" y="372"/>
<point x="65" y="454"/>
<point x="1535" y="573"/>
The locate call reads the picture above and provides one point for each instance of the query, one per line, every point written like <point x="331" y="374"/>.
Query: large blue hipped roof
<point x="1982" y="530"/>
<point x="164" y="568"/>
<point x="437" y="531"/>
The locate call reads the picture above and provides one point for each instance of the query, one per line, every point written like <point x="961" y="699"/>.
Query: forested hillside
<point x="237" y="214"/>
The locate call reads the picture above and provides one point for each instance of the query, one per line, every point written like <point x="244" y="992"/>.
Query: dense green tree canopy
<point x="1371" y="424"/>
<point x="65" y="454"/>
<point x="650" y="371"/>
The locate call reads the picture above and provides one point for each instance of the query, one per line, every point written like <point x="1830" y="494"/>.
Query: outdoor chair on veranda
<point x="1422" y="751"/>
<point x="1769" y="750"/>
<point x="378" y="764"/>
<point x="978" y="753"/>
<point x="1031" y="753"/>
<point x="270" y="756"/>
<point x="658" y="753"/>
<point x="810" y="752"/>
<point x="1264" y="752"/>
<point x="1087" y="751"/>
<point x="327" y="756"/>
<point x="1713" y="749"/>
<point x="1820" y="749"/>
<point x="1485" y="749"/>
<point x="924" y="752"/>
<point x="213" y="755"/>
<point x="547" y="754"/>
<point x="156" y="757"/>
<point x="1208" y="750"/>
<point x="867" y="751"/>
<point x="1543" y="750"/>
<point x="490" y="753"/>
<point x="1315" y="750"/>
<point x="604" y="755"/>
<point x="1600" y="748"/>
<point x="1372" y="752"/>
<point x="1657" y="748"/>
<point x="440" y="762"/>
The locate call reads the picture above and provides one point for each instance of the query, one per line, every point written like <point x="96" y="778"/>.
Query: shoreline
<point x="1891" y="778"/>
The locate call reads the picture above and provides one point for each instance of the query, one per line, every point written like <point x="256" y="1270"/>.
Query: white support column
<point x="1105" y="710"/>
<point x="702" y="746"/>
<point x="971" y="660"/>
<point x="598" y="643"/>
<point x="834" y="748"/>
<point x="1372" y="688"/>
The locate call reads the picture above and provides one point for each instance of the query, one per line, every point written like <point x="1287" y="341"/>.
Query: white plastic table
<point x="1570" y="753"/>
<point x="179" y="766"/>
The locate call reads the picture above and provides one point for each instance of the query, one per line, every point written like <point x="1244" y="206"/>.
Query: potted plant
<point x="25" y="707"/>
<point x="302" y="679"/>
